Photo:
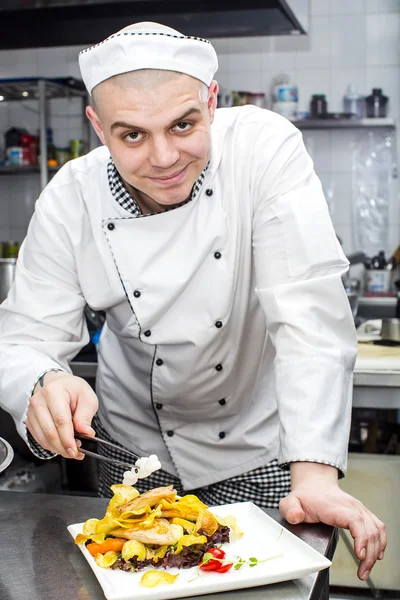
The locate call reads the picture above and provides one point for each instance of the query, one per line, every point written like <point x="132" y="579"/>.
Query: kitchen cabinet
<point x="43" y="90"/>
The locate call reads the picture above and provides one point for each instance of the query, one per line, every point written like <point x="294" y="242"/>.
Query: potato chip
<point x="153" y="578"/>
<point x="187" y="525"/>
<point x="177" y="532"/>
<point x="81" y="539"/>
<point x="189" y="540"/>
<point x="230" y="521"/>
<point x="89" y="526"/>
<point x="206" y="522"/>
<point x="106" y="560"/>
<point x="133" y="548"/>
<point x="98" y="538"/>
<point x="122" y="494"/>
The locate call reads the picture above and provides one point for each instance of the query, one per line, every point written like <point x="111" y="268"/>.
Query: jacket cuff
<point x="285" y="466"/>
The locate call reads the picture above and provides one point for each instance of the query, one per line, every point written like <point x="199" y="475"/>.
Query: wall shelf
<point x="24" y="169"/>
<point x="43" y="90"/>
<point x="344" y="123"/>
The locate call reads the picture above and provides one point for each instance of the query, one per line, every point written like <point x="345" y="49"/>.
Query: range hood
<point x="44" y="23"/>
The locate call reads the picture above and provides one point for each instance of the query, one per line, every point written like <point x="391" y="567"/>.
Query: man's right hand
<point x="65" y="403"/>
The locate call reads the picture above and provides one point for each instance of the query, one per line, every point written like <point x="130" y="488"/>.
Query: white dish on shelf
<point x="263" y="538"/>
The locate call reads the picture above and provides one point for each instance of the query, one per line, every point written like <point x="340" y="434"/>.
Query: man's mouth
<point x="174" y="178"/>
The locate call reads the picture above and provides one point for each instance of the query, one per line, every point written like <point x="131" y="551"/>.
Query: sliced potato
<point x="177" y="532"/>
<point x="187" y="525"/>
<point x="230" y="521"/>
<point x="133" y="548"/>
<point x="206" y="522"/>
<point x="153" y="577"/>
<point x="189" y="540"/>
<point x="89" y="526"/>
<point x="106" y="560"/>
<point x="122" y="494"/>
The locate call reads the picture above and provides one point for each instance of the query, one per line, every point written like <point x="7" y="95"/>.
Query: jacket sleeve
<point x="299" y="266"/>
<point x="42" y="324"/>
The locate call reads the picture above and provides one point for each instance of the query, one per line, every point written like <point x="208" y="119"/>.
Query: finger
<point x="291" y="509"/>
<point x="366" y="542"/>
<point x="35" y="430"/>
<point x="44" y="427"/>
<point x="58" y="403"/>
<point x="80" y="455"/>
<point x="382" y="535"/>
<point x="85" y="410"/>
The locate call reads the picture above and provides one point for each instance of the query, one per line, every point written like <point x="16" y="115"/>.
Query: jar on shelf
<point x="318" y="106"/>
<point x="376" y="104"/>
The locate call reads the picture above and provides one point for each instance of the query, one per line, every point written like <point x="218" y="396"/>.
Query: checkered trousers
<point x="264" y="486"/>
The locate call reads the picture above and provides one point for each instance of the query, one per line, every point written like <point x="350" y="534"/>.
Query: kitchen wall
<point x="356" y="41"/>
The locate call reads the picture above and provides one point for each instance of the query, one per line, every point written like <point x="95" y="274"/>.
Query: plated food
<point x="157" y="529"/>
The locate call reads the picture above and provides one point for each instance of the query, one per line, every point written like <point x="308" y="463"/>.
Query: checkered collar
<point x="127" y="201"/>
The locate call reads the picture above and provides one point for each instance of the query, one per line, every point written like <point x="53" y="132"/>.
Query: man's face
<point x="159" y="138"/>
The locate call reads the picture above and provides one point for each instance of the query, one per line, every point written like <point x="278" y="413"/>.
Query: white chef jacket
<point x="236" y="295"/>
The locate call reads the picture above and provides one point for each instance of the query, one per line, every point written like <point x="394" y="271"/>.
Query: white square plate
<point x="263" y="537"/>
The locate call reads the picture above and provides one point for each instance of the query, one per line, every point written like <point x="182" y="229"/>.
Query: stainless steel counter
<point x="39" y="560"/>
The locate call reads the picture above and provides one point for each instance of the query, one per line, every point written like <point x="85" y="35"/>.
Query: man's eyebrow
<point x="124" y="125"/>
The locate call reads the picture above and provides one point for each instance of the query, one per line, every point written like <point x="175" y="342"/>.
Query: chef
<point x="204" y="235"/>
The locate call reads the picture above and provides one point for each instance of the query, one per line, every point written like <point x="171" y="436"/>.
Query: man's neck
<point x="146" y="204"/>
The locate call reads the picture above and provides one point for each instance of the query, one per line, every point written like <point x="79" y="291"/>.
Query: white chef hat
<point x="148" y="45"/>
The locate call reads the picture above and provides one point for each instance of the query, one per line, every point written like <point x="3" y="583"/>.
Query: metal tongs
<point x="114" y="461"/>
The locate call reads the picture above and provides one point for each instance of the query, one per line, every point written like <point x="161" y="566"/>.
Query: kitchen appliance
<point x="390" y="330"/>
<point x="7" y="271"/>
<point x="78" y="22"/>
<point x="6" y="454"/>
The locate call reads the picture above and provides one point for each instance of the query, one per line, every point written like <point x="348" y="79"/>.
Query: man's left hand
<point x="316" y="497"/>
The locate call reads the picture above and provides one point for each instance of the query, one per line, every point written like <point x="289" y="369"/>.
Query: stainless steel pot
<point x="391" y="330"/>
<point x="6" y="454"/>
<point x="7" y="271"/>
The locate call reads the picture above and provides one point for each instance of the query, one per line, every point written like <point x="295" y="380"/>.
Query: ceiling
<point x="44" y="23"/>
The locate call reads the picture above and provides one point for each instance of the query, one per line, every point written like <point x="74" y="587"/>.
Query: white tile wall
<point x="350" y="41"/>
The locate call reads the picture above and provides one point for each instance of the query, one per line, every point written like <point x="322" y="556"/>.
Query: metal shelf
<point x="344" y="123"/>
<point x="43" y="90"/>
<point x="28" y="88"/>
<point x="23" y="169"/>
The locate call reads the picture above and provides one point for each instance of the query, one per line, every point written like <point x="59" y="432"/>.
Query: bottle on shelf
<point x="13" y="146"/>
<point x="285" y="97"/>
<point x="353" y="102"/>
<point x="51" y="149"/>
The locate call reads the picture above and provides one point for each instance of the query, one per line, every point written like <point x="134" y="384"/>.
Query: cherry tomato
<point x="216" y="552"/>
<point x="223" y="568"/>
<point x="213" y="565"/>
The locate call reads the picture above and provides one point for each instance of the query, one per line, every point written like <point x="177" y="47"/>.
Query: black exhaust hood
<point x="44" y="23"/>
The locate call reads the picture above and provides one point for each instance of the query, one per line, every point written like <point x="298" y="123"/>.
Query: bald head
<point x="143" y="80"/>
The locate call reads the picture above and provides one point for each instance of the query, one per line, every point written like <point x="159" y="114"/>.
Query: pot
<point x="7" y="271"/>
<point x="6" y="454"/>
<point x="391" y="330"/>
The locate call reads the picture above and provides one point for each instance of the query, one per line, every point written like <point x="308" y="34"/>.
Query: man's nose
<point x="163" y="153"/>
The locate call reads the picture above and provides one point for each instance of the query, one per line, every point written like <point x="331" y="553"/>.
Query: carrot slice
<point x="114" y="544"/>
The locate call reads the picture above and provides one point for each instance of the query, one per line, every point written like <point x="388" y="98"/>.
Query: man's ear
<point x="96" y="124"/>
<point x="212" y="99"/>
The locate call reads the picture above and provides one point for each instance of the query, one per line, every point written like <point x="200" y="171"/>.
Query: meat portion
<point x="150" y="498"/>
<point x="159" y="534"/>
